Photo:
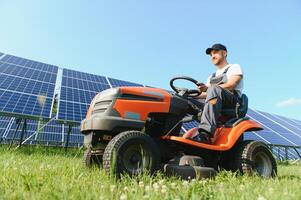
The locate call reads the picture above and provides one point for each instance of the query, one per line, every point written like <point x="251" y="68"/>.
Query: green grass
<point x="49" y="173"/>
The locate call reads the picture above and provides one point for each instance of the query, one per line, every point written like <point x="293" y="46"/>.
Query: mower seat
<point x="238" y="112"/>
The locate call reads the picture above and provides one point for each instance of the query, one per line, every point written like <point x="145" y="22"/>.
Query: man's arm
<point x="230" y="85"/>
<point x="232" y="82"/>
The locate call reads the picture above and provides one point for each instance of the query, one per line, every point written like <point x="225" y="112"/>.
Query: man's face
<point x="218" y="56"/>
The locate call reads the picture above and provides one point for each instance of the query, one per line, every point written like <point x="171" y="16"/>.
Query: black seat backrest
<point x="242" y="110"/>
<point x="236" y="118"/>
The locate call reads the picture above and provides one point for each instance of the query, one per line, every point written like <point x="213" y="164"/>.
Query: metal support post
<point x="68" y="137"/>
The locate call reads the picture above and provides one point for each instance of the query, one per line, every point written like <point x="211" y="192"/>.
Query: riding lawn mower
<point x="132" y="130"/>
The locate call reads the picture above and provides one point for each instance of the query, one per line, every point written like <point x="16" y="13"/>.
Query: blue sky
<point x="149" y="42"/>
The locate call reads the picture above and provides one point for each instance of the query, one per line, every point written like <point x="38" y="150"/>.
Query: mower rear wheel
<point x="132" y="153"/>
<point x="91" y="158"/>
<point x="251" y="157"/>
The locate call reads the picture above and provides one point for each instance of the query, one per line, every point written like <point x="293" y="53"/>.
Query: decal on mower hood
<point x="132" y="115"/>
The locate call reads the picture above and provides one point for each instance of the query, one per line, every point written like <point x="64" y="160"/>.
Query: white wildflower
<point x="185" y="183"/>
<point x="164" y="189"/>
<point x="161" y="182"/>
<point x="141" y="184"/>
<point x="156" y="186"/>
<point x="123" y="197"/>
<point x="261" y="198"/>
<point x="112" y="188"/>
<point x="147" y="188"/>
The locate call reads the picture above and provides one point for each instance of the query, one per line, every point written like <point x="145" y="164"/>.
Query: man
<point x="222" y="90"/>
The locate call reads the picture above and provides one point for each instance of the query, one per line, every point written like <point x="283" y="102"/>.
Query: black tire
<point x="253" y="157"/>
<point x="189" y="172"/>
<point x="132" y="153"/>
<point x="92" y="158"/>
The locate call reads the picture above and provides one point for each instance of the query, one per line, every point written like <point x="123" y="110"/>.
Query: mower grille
<point x="101" y="106"/>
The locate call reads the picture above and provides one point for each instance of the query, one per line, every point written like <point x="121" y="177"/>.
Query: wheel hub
<point x="135" y="158"/>
<point x="262" y="164"/>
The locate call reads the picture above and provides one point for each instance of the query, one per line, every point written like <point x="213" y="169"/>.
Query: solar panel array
<point x="26" y="87"/>
<point x="77" y="92"/>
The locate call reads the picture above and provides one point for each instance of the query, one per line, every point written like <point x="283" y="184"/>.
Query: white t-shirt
<point x="234" y="69"/>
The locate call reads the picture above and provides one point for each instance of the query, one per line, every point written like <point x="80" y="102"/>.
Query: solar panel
<point x="284" y="122"/>
<point x="26" y="87"/>
<point x="254" y="136"/>
<point x="77" y="91"/>
<point x="75" y="136"/>
<point x="298" y="122"/>
<point x="8" y="132"/>
<point x="189" y="125"/>
<point x="52" y="134"/>
<point x="4" y="125"/>
<point x="295" y="122"/>
<point x="29" y="64"/>
<point x="120" y="83"/>
<point x="286" y="136"/>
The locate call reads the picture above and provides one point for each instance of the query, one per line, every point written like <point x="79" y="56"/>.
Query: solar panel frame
<point x="52" y="134"/>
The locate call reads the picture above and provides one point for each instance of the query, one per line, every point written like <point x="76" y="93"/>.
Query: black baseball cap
<point x="216" y="47"/>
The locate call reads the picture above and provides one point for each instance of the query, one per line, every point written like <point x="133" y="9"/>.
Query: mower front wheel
<point x="132" y="153"/>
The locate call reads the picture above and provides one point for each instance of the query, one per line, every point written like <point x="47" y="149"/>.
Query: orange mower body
<point x="141" y="126"/>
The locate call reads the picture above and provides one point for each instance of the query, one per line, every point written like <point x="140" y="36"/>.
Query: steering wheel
<point x="185" y="91"/>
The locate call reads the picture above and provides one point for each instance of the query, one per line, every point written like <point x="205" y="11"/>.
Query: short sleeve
<point x="235" y="69"/>
<point x="208" y="81"/>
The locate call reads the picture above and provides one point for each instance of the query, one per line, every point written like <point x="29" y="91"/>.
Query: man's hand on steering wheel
<point x="202" y="87"/>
